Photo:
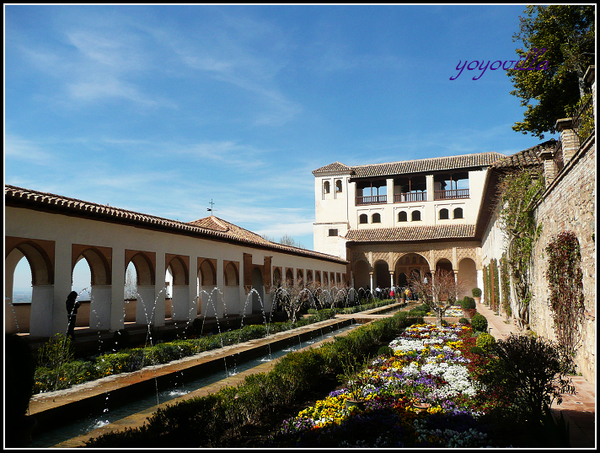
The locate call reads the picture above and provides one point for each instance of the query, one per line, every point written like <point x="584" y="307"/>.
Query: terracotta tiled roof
<point x="526" y="158"/>
<point x="404" y="234"/>
<point x="336" y="167"/>
<point x="414" y="166"/>
<point x="215" y="223"/>
<point x="208" y="227"/>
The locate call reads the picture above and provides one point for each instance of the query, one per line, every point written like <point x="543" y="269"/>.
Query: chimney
<point x="568" y="137"/>
<point x="550" y="170"/>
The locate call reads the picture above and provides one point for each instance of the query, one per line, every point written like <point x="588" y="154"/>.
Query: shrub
<point x="485" y="341"/>
<point x="203" y="422"/>
<point x="385" y="351"/>
<point x="531" y="372"/>
<point x="464" y="321"/>
<point x="477" y="350"/>
<point x="56" y="351"/>
<point x="468" y="303"/>
<point x="420" y="310"/>
<point x="479" y="322"/>
<point x="476" y="292"/>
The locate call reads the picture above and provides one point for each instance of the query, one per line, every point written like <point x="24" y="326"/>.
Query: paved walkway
<point x="579" y="409"/>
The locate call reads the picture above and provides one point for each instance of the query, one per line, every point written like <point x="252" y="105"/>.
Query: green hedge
<point x="58" y="370"/>
<point x="204" y="421"/>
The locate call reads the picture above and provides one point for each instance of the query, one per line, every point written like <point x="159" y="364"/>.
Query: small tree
<point x="531" y="372"/>
<point x="438" y="290"/>
<point x="292" y="298"/>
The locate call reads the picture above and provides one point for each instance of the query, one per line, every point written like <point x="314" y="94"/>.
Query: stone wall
<point x="569" y="205"/>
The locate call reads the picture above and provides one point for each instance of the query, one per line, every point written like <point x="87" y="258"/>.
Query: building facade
<point x="218" y="269"/>
<point x="391" y="219"/>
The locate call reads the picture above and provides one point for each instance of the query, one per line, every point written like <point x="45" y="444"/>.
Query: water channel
<point x="94" y="421"/>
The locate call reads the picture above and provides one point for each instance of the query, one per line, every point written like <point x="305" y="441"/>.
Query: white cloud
<point x="26" y="150"/>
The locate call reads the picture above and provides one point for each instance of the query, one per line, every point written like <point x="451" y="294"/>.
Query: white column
<point x="160" y="290"/>
<point x="480" y="284"/>
<point x="390" y="189"/>
<point x="429" y="186"/>
<point x="117" y="293"/>
<point x="42" y="302"/>
<point x="180" y="303"/>
<point x="100" y="307"/>
<point x="144" y="307"/>
<point x="62" y="287"/>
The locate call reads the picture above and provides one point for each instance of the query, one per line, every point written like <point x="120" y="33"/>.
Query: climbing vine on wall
<point x="486" y="285"/>
<point x="505" y="285"/>
<point x="495" y="285"/>
<point x="565" y="281"/>
<point x="518" y="193"/>
<point x="491" y="287"/>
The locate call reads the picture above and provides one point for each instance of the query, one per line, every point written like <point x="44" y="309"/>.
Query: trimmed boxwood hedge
<point x="67" y="373"/>
<point x="205" y="421"/>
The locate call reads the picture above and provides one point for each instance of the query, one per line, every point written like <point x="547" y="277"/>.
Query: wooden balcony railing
<point x="410" y="196"/>
<point x="450" y="194"/>
<point x="371" y="199"/>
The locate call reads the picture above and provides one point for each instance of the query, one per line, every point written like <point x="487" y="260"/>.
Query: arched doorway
<point x="289" y="277"/>
<point x="35" y="316"/>
<point x="467" y="275"/>
<point x="145" y="305"/>
<point x="361" y="274"/>
<point x="232" y="287"/>
<point x="91" y="277"/>
<point x="408" y="266"/>
<point x="258" y="296"/>
<point x="382" y="275"/>
<point x="180" y="292"/>
<point x="207" y="281"/>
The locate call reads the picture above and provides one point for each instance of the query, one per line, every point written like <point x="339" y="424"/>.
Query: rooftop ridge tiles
<point x="90" y="207"/>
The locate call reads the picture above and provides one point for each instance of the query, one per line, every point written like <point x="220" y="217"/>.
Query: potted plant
<point x="476" y="294"/>
<point x="469" y="307"/>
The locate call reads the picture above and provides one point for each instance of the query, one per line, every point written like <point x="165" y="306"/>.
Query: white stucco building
<point x="216" y="266"/>
<point x="389" y="219"/>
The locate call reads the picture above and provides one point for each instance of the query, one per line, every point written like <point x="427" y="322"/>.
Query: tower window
<point x="338" y="186"/>
<point x="415" y="216"/>
<point x="363" y="218"/>
<point x="458" y="213"/>
<point x="326" y="187"/>
<point x="444" y="214"/>
<point x="376" y="218"/>
<point x="333" y="232"/>
<point x="402" y="216"/>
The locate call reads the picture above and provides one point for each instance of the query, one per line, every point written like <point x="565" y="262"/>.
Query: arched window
<point x="326" y="187"/>
<point x="415" y="216"/>
<point x="444" y="214"/>
<point x="458" y="213"/>
<point x="402" y="216"/>
<point x="363" y="218"/>
<point x="376" y="218"/>
<point x="338" y="186"/>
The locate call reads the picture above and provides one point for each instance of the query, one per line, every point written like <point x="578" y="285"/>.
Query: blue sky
<point x="159" y="109"/>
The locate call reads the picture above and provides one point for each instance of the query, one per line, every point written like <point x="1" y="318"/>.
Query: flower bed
<point x="424" y="395"/>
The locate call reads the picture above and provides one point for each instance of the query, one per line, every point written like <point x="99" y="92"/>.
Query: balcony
<point x="371" y="199"/>
<point x="410" y="196"/>
<point x="450" y="194"/>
